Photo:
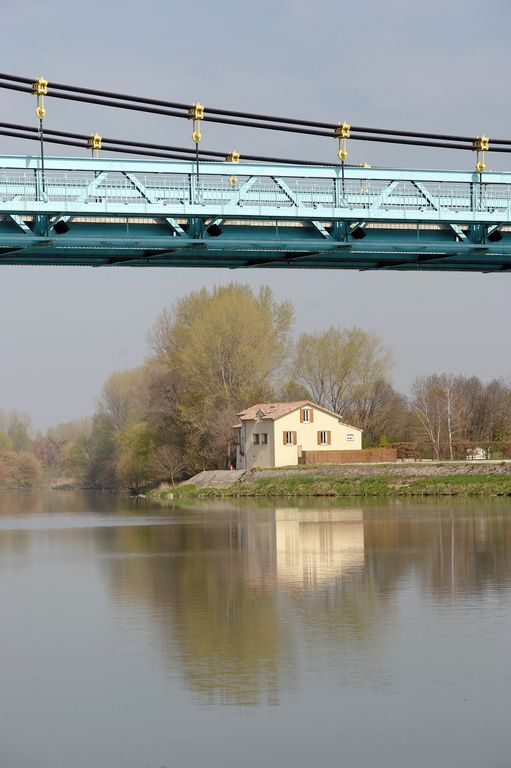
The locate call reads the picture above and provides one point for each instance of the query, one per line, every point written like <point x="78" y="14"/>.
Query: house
<point x="277" y="434"/>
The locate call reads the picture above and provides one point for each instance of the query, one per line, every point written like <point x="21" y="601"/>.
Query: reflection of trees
<point x="13" y="543"/>
<point x="454" y="548"/>
<point x="224" y="629"/>
<point x="24" y="503"/>
<point x="20" y="503"/>
<point x="240" y="596"/>
<point x="24" y="515"/>
<point x="222" y="591"/>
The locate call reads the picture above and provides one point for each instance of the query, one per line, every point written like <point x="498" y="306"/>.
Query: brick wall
<point x="365" y="456"/>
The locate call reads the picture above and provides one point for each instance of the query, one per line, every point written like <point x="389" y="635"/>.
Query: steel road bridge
<point x="141" y="213"/>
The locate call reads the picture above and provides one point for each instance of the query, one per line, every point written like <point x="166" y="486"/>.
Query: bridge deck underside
<point x="134" y="244"/>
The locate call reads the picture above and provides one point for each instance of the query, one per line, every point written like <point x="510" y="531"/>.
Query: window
<point x="264" y="438"/>
<point x="306" y="415"/>
<point x="350" y="436"/>
<point x="289" y="438"/>
<point x="255" y="438"/>
<point x="324" y="437"/>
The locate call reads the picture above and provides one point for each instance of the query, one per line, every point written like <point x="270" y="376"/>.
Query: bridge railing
<point x="256" y="191"/>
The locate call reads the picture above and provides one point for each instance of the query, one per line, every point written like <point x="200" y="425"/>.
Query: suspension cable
<point x="14" y="130"/>
<point x="249" y="119"/>
<point x="243" y="115"/>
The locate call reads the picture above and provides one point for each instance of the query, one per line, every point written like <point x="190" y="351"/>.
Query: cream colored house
<point x="275" y="434"/>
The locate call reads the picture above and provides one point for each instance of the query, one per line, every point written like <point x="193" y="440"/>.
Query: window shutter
<point x="319" y="438"/>
<point x="284" y="438"/>
<point x="311" y="415"/>
<point x="302" y="417"/>
<point x="294" y="438"/>
<point x="328" y="438"/>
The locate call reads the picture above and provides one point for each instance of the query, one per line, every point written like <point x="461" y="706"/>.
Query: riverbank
<point x="483" y="479"/>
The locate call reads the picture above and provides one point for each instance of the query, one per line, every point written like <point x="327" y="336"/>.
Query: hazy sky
<point x="398" y="64"/>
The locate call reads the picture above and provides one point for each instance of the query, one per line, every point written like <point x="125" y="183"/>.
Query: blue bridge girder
<point x="111" y="212"/>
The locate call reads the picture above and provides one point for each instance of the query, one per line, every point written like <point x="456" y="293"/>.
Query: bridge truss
<point x="140" y="213"/>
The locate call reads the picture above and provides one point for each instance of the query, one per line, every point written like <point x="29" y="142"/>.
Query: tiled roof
<point x="276" y="410"/>
<point x="272" y="410"/>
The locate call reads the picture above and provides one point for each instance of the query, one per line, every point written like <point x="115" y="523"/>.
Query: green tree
<point x="125" y="396"/>
<point x="101" y="469"/>
<point x="19" y="427"/>
<point x="5" y="442"/>
<point x="223" y="350"/>
<point x="135" y="456"/>
<point x="76" y="457"/>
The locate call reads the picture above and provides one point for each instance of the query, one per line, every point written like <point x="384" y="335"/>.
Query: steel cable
<point x="245" y="115"/>
<point x="15" y="130"/>
<point x="248" y="119"/>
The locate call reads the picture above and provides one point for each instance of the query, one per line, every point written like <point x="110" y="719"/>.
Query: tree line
<point x="214" y="353"/>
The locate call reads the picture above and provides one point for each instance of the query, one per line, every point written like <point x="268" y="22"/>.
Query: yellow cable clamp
<point x="343" y="133"/>
<point x="364" y="184"/>
<point x="233" y="157"/>
<point x="481" y="145"/>
<point x="94" y="142"/>
<point x="40" y="89"/>
<point x="196" y="113"/>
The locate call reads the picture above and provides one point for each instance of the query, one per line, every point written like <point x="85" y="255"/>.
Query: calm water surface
<point x="227" y="635"/>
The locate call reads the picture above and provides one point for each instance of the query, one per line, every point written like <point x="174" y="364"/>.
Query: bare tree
<point x="428" y="410"/>
<point x="439" y="408"/>
<point x="168" y="463"/>
<point x="339" y="365"/>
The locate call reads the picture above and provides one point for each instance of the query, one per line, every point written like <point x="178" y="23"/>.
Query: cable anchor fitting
<point x="481" y="145"/>
<point x="196" y="113"/>
<point x="233" y="157"/>
<point x="342" y="132"/>
<point x="94" y="143"/>
<point x="40" y="89"/>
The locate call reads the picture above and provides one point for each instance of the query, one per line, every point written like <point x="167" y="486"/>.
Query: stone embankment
<point x="216" y="478"/>
<point x="397" y="469"/>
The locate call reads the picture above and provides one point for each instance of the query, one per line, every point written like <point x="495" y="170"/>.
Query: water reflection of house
<point x="316" y="546"/>
<point x="303" y="548"/>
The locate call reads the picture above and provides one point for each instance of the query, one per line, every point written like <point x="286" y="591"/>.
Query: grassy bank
<point x="305" y="484"/>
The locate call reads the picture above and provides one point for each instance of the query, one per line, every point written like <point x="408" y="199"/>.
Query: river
<point x="248" y="634"/>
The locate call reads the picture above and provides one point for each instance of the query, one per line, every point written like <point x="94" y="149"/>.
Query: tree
<point x="167" y="463"/>
<point x="125" y="396"/>
<point x="380" y="411"/>
<point x="163" y="387"/>
<point x="101" y="449"/>
<point x="452" y="406"/>
<point x="340" y="365"/>
<point x="135" y="455"/>
<point x="428" y="409"/>
<point x="76" y="457"/>
<point x="27" y="469"/>
<point x="223" y="350"/>
<point x="19" y="427"/>
<point x="439" y="406"/>
<point x="5" y="442"/>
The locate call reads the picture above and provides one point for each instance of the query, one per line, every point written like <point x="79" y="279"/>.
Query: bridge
<point x="191" y="207"/>
<point x="155" y="213"/>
